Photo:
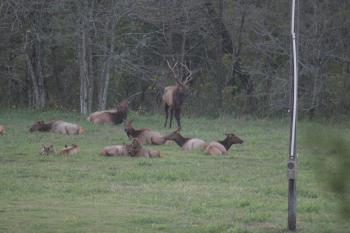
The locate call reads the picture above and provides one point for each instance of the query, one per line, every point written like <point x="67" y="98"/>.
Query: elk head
<point x="123" y="106"/>
<point x="233" y="139"/>
<point x="128" y="128"/>
<point x="38" y="126"/>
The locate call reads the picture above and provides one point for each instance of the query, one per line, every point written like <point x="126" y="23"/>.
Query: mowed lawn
<point x="245" y="191"/>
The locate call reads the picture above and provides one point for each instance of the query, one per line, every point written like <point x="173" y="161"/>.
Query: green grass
<point x="245" y="191"/>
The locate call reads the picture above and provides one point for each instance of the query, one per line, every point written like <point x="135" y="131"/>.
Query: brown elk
<point x="221" y="147"/>
<point x="144" y="135"/>
<point x="136" y="150"/>
<point x="2" y="130"/>
<point x="46" y="150"/>
<point x="69" y="150"/>
<point x="58" y="126"/>
<point x="175" y="95"/>
<point x="185" y="143"/>
<point x="113" y="116"/>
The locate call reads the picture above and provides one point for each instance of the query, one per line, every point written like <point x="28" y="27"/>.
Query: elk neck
<point x="180" y="140"/>
<point x="226" y="143"/>
<point x="47" y="126"/>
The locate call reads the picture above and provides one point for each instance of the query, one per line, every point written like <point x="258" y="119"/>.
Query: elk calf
<point x="46" y="150"/>
<point x="221" y="147"/>
<point x="69" y="150"/>
<point x="2" y="130"/>
<point x="144" y="136"/>
<point x="57" y="126"/>
<point x="136" y="150"/>
<point x="110" y="116"/>
<point x="185" y="143"/>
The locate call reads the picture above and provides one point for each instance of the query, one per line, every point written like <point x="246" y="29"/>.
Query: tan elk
<point x="113" y="116"/>
<point x="114" y="150"/>
<point x="57" y="126"/>
<point x="144" y="135"/>
<point x="2" y="130"/>
<point x="69" y="150"/>
<point x="184" y="143"/>
<point x="174" y="96"/>
<point x="221" y="147"/>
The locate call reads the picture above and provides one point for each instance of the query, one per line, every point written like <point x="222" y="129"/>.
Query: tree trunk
<point x="83" y="69"/>
<point x="35" y="73"/>
<point x="105" y="74"/>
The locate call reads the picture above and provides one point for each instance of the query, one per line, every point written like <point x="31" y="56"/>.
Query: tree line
<point x="89" y="54"/>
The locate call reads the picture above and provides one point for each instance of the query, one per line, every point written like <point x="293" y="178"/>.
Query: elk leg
<point x="177" y="117"/>
<point x="171" y="116"/>
<point x="166" y="114"/>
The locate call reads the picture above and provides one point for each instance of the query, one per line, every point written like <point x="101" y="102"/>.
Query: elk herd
<point x="173" y="98"/>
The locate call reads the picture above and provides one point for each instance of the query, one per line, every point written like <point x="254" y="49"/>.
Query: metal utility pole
<point x="293" y="120"/>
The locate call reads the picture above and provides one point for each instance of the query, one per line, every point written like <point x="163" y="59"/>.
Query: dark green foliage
<point x="331" y="154"/>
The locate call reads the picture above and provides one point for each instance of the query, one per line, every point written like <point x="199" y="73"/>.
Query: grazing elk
<point x="136" y="150"/>
<point x="144" y="136"/>
<point x="2" y="130"/>
<point x="175" y="95"/>
<point x="221" y="147"/>
<point x="185" y="143"/>
<point x="58" y="126"/>
<point x="113" y="116"/>
<point x="69" y="150"/>
<point x="46" y="150"/>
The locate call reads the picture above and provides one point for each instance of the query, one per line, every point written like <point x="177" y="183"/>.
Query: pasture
<point x="245" y="191"/>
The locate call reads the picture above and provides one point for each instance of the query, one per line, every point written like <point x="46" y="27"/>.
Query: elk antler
<point x="172" y="68"/>
<point x="188" y="78"/>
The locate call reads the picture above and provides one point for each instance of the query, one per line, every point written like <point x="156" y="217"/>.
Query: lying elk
<point x="59" y="126"/>
<point x="136" y="150"/>
<point x="144" y="136"/>
<point x="69" y="150"/>
<point x="113" y="116"/>
<point x="185" y="143"/>
<point x="221" y="147"/>
<point x="175" y="95"/>
<point x="46" y="150"/>
<point x="114" y="150"/>
<point x="2" y="130"/>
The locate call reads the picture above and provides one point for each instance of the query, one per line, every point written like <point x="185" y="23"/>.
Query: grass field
<point x="245" y="191"/>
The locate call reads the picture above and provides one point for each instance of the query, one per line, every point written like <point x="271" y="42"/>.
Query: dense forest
<point x="86" y="55"/>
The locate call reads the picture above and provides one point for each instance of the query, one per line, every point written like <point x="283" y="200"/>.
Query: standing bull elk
<point x="175" y="95"/>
